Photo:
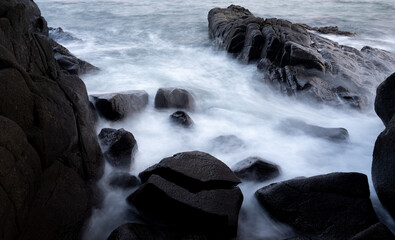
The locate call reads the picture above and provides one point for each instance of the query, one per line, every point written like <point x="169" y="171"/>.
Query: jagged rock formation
<point x="299" y="62"/>
<point x="49" y="151"/>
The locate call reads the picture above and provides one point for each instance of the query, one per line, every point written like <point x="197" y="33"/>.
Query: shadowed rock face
<point x="332" y="206"/>
<point x="48" y="145"/>
<point x="188" y="193"/>
<point x="297" y="61"/>
<point x="383" y="165"/>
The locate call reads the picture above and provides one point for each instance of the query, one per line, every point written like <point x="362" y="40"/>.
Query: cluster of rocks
<point x="49" y="154"/>
<point x="299" y="62"/>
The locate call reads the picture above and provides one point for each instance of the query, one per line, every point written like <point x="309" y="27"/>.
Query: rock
<point x="256" y="169"/>
<point x="297" y="61"/>
<point x="384" y="104"/>
<point x="136" y="231"/>
<point x="49" y="152"/>
<point x="377" y="231"/>
<point x="329" y="30"/>
<point x="181" y="118"/>
<point x="58" y="34"/>
<point x="227" y="143"/>
<point x="188" y="193"/>
<point x="119" y="147"/>
<point x="294" y="126"/>
<point x="332" y="206"/>
<point x="116" y="106"/>
<point x="298" y="238"/>
<point x="68" y="63"/>
<point x="383" y="167"/>
<point x="123" y="181"/>
<point x="174" y="98"/>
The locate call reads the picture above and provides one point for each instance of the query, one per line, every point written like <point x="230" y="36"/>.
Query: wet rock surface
<point x="377" y="231"/>
<point x="256" y="169"/>
<point x="123" y="180"/>
<point x="298" y="62"/>
<point x="116" y="106"/>
<point x="295" y="126"/>
<point x="119" y="147"/>
<point x="174" y="98"/>
<point x="383" y="165"/>
<point x="188" y="193"/>
<point x="136" y="231"/>
<point x="332" y="206"/>
<point x="181" y="118"/>
<point x="48" y="141"/>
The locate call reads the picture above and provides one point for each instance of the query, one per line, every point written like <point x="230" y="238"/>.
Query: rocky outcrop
<point x="383" y="165"/>
<point x="256" y="169"/>
<point x="119" y="147"/>
<point x="49" y="150"/>
<point x="116" y="106"/>
<point x="190" y="192"/>
<point x="332" y="206"/>
<point x="295" y="126"/>
<point x="174" y="98"/>
<point x="299" y="62"/>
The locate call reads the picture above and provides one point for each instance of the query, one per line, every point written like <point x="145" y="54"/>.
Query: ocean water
<point x="145" y="45"/>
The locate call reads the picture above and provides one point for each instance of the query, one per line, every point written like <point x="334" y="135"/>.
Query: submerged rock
<point x="181" y="118"/>
<point x="119" y="147"/>
<point x="116" y="106"/>
<point x="297" y="61"/>
<point x="174" y="98"/>
<point x="256" y="169"/>
<point x="123" y="180"/>
<point x="191" y="192"/>
<point x="136" y="231"/>
<point x="294" y="126"/>
<point x="58" y="34"/>
<point x="227" y="143"/>
<point x="332" y="206"/>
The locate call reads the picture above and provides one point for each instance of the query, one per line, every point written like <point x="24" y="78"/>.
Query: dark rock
<point x="136" y="231"/>
<point x="298" y="62"/>
<point x="298" y="238"/>
<point x="384" y="104"/>
<point x="294" y="126"/>
<point x="49" y="150"/>
<point x="377" y="231"/>
<point x="119" y="147"/>
<point x="188" y="193"/>
<point x="174" y="98"/>
<point x="116" y="106"/>
<point x="329" y="30"/>
<point x="58" y="34"/>
<point x="383" y="167"/>
<point x="68" y="63"/>
<point x="181" y="118"/>
<point x="256" y="169"/>
<point x="227" y="143"/>
<point x="332" y="206"/>
<point x="123" y="181"/>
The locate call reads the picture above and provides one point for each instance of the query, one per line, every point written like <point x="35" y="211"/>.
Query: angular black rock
<point x="294" y="126"/>
<point x="332" y="206"/>
<point x="119" y="147"/>
<point x="123" y="180"/>
<point x="298" y="62"/>
<point x="136" y="231"/>
<point x="191" y="192"/>
<point x="116" y="106"/>
<point x="181" y="118"/>
<point x="384" y="104"/>
<point x="174" y="98"/>
<point x="256" y="169"/>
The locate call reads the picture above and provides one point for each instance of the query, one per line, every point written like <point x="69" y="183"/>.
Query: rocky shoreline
<point x="51" y="157"/>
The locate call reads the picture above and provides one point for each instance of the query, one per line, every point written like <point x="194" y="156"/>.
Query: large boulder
<point x="116" y="106"/>
<point x="299" y="62"/>
<point x="119" y="147"/>
<point x="256" y="169"/>
<point x="190" y="192"/>
<point x="174" y="98"/>
<point x="377" y="231"/>
<point x="49" y="151"/>
<point x="384" y="104"/>
<point x="332" y="206"/>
